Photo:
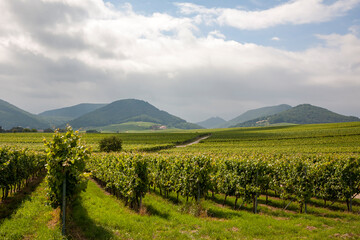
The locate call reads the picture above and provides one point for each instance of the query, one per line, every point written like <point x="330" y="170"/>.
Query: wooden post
<point x="64" y="206"/>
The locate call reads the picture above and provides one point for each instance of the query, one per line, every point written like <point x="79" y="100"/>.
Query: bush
<point x="110" y="144"/>
<point x="48" y="130"/>
<point x="92" y="131"/>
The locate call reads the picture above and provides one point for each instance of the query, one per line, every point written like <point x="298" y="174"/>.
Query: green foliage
<point x="125" y="175"/>
<point x="110" y="144"/>
<point x="16" y="168"/>
<point x="186" y="175"/>
<point x="92" y="131"/>
<point x="48" y="130"/>
<point x="66" y="157"/>
<point x="294" y="177"/>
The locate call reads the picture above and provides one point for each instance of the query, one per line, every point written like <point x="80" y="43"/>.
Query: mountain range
<point x="129" y="110"/>
<point x="301" y="114"/>
<point x="11" y="116"/>
<point x="280" y="114"/>
<point x="133" y="114"/>
<point x="73" y="111"/>
<point x="214" y="122"/>
<point x="87" y="116"/>
<point x="256" y="113"/>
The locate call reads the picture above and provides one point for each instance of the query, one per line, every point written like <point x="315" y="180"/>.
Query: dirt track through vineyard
<point x="194" y="142"/>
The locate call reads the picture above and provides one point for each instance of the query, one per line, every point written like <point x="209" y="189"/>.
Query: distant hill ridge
<point x="301" y="114"/>
<point x="213" y="122"/>
<point x="73" y="111"/>
<point x="256" y="113"/>
<point x="129" y="110"/>
<point x="12" y="116"/>
<point x="132" y="111"/>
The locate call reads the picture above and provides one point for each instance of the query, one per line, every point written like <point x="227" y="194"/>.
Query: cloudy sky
<point x="194" y="59"/>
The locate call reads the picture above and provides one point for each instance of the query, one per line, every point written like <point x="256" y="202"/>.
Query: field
<point x="131" y="141"/>
<point x="167" y="212"/>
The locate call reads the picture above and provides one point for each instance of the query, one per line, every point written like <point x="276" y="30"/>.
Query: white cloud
<point x="275" y="39"/>
<point x="88" y="51"/>
<point x="217" y="34"/>
<point x="292" y="12"/>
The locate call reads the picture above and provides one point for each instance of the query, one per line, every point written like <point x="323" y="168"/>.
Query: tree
<point x="110" y="144"/>
<point x="48" y="130"/>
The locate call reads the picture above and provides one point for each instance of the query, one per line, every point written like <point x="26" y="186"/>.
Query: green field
<point x="99" y="215"/>
<point x="315" y="138"/>
<point x="131" y="141"/>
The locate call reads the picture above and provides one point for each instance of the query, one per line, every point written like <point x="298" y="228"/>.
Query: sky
<point x="194" y="59"/>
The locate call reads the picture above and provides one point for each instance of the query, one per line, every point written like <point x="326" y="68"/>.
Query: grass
<point x="14" y="200"/>
<point x="98" y="215"/>
<point x="32" y="219"/>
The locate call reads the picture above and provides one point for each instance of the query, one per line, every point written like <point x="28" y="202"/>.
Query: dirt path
<point x="194" y="142"/>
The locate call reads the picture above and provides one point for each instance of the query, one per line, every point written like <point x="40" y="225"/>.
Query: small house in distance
<point x="158" y="127"/>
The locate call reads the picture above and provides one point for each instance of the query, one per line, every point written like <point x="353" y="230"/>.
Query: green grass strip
<point x="33" y="219"/>
<point x="98" y="215"/>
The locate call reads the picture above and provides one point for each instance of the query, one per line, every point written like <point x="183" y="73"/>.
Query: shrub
<point x="48" y="130"/>
<point x="110" y="144"/>
<point x="92" y="131"/>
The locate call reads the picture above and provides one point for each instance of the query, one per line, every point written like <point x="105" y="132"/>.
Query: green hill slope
<point x="73" y="111"/>
<point x="129" y="110"/>
<point x="61" y="116"/>
<point x="213" y="122"/>
<point x="256" y="113"/>
<point x="301" y="114"/>
<point x="12" y="116"/>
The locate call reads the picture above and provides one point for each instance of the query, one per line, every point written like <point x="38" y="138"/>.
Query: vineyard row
<point x="17" y="167"/>
<point x="292" y="177"/>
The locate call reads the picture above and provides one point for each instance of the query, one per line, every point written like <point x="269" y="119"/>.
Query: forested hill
<point x="73" y="111"/>
<point x="301" y="114"/>
<point x="12" y="116"/>
<point x="130" y="110"/>
<point x="213" y="122"/>
<point x="256" y="113"/>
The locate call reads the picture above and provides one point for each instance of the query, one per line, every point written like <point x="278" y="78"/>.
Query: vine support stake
<point x="64" y="206"/>
<point x="256" y="196"/>
<point x="199" y="194"/>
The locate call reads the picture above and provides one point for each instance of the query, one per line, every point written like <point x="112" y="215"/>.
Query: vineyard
<point x="331" y="178"/>
<point x="17" y="168"/>
<point x="298" y="181"/>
